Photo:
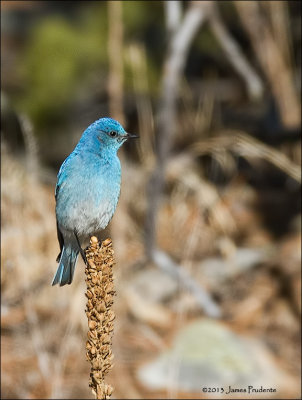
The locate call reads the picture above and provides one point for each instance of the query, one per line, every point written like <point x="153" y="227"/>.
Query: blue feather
<point x="87" y="191"/>
<point x="65" y="271"/>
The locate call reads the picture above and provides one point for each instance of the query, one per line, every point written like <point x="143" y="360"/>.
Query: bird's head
<point x="106" y="133"/>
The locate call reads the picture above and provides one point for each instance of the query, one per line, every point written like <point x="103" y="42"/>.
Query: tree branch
<point x="179" y="44"/>
<point x="235" y="56"/>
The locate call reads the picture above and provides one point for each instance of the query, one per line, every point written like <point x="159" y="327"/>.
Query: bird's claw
<point x="80" y="249"/>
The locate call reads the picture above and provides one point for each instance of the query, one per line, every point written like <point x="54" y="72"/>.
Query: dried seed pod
<point x="106" y="339"/>
<point x="92" y="324"/>
<point x="108" y="300"/>
<point x="99" y="293"/>
<point x="94" y="241"/>
<point x="96" y="363"/>
<point x="94" y="280"/>
<point x="105" y="349"/>
<point x="97" y="375"/>
<point x="106" y="270"/>
<point x="111" y="315"/>
<point x="92" y="335"/>
<point x="101" y="307"/>
<point x="100" y="317"/>
<point x="106" y="242"/>
<point x="109" y="390"/>
<point x="109" y="287"/>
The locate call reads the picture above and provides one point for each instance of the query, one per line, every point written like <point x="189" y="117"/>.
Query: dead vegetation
<point x="100" y="292"/>
<point x="204" y="230"/>
<point x="213" y="238"/>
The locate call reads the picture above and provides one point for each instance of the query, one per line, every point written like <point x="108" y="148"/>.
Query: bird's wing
<point x="61" y="241"/>
<point x="62" y="175"/>
<point x="63" y="172"/>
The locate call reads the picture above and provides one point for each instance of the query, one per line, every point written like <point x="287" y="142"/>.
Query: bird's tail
<point x="65" y="271"/>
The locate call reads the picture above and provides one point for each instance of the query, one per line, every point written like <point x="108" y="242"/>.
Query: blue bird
<point x="87" y="191"/>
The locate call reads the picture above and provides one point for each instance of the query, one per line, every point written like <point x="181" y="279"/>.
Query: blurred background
<point x="207" y="231"/>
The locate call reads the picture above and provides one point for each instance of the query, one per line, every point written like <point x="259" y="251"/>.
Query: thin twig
<point x="115" y="57"/>
<point x="173" y="11"/>
<point x="31" y="145"/>
<point x="179" y="45"/>
<point x="235" y="56"/>
<point x="248" y="147"/>
<point x="271" y="58"/>
<point x="165" y="262"/>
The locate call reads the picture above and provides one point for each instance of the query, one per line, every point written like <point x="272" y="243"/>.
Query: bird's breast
<point x="88" y="206"/>
<point x="95" y="214"/>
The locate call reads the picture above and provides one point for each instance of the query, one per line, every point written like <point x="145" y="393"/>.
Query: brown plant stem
<point x="100" y="292"/>
<point x="166" y="122"/>
<point x="116" y="65"/>
<point x="272" y="59"/>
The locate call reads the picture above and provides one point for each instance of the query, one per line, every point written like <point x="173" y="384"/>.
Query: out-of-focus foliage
<point x="228" y="223"/>
<point x="64" y="57"/>
<point x="139" y="15"/>
<point x="59" y="59"/>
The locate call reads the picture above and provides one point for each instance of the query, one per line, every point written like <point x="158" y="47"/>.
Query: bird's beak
<point x="131" y="136"/>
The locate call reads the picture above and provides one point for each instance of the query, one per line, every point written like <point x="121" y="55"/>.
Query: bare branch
<point x="137" y="60"/>
<point x="173" y="13"/>
<point x="164" y="262"/>
<point x="115" y="56"/>
<point x="273" y="63"/>
<point x="179" y="45"/>
<point x="279" y="16"/>
<point x="31" y="145"/>
<point x="235" y="56"/>
<point x="249" y="147"/>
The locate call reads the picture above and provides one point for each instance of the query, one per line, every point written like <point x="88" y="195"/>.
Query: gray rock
<point x="154" y="285"/>
<point x="217" y="269"/>
<point x="207" y="353"/>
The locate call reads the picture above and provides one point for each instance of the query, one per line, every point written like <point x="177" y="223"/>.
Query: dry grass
<point x="44" y="328"/>
<point x="250" y="148"/>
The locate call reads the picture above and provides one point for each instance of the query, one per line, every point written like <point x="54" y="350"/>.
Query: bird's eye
<point x="112" y="134"/>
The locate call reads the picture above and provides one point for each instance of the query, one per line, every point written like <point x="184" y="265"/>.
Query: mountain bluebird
<point x="87" y="191"/>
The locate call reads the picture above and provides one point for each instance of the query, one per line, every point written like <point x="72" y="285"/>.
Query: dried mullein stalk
<point x="100" y="292"/>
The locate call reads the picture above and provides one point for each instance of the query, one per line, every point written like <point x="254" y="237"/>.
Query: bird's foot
<point x="80" y="249"/>
<point x="59" y="256"/>
<point x="83" y="256"/>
